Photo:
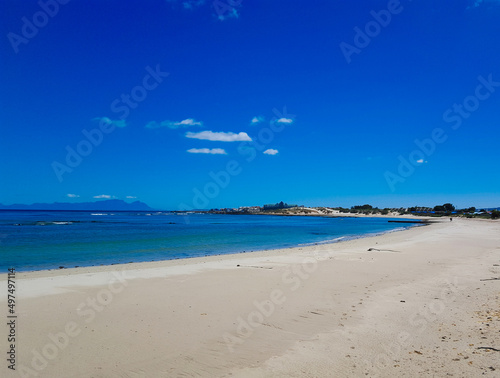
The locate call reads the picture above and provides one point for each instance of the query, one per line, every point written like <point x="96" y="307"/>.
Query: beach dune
<point x="421" y="302"/>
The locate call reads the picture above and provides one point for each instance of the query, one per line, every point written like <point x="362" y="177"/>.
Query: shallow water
<point x="37" y="240"/>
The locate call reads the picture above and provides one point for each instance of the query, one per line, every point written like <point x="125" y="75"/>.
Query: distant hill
<point x="106" y="205"/>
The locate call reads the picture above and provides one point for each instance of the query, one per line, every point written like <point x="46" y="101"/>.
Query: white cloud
<point x="188" y="122"/>
<point x="72" y="195"/>
<point x="270" y="151"/>
<point x="174" y="125"/>
<point x="130" y="197"/>
<point x="285" y="120"/>
<point x="220" y="136"/>
<point x="256" y="120"/>
<point x="106" y="196"/>
<point x="421" y="161"/>
<point x="115" y="122"/>
<point x="213" y="151"/>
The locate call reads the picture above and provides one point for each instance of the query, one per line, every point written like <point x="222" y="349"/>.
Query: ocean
<point x="39" y="240"/>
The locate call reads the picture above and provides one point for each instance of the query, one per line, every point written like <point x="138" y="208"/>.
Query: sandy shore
<point x="415" y="305"/>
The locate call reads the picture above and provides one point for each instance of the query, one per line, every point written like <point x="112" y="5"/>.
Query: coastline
<point x="140" y="264"/>
<point x="396" y="219"/>
<point x="336" y="309"/>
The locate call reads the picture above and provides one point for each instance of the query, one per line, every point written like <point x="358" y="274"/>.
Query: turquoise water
<point x="37" y="240"/>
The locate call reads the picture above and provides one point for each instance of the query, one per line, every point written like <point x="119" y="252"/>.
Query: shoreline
<point x="52" y="281"/>
<point x="409" y="303"/>
<point x="424" y="222"/>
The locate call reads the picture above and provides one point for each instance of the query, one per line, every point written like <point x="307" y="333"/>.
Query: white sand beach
<point x="415" y="305"/>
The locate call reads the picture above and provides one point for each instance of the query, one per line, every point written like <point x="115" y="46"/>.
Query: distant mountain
<point x="106" y="205"/>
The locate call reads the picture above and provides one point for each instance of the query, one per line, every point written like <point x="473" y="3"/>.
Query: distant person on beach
<point x="451" y="219"/>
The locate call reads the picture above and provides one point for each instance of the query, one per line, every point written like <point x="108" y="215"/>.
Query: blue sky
<point x="188" y="104"/>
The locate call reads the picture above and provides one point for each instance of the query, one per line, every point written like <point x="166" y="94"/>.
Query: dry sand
<point x="416" y="306"/>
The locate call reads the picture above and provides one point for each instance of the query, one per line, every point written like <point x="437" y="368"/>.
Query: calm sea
<point x="37" y="240"/>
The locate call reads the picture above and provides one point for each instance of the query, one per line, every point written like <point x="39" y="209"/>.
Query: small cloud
<point x="270" y="151"/>
<point x="106" y="120"/>
<point x="213" y="151"/>
<point x="72" y="195"/>
<point x="130" y="197"/>
<point x="283" y="114"/>
<point x="174" y="125"/>
<point x="285" y="120"/>
<point x="256" y="120"/>
<point x="225" y="12"/>
<point x="421" y="161"/>
<point x="188" y="122"/>
<point x="105" y="196"/>
<point x="220" y="136"/>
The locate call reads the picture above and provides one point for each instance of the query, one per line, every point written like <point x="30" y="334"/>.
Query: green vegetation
<point x="364" y="207"/>
<point x="279" y="205"/>
<point x="447" y="210"/>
